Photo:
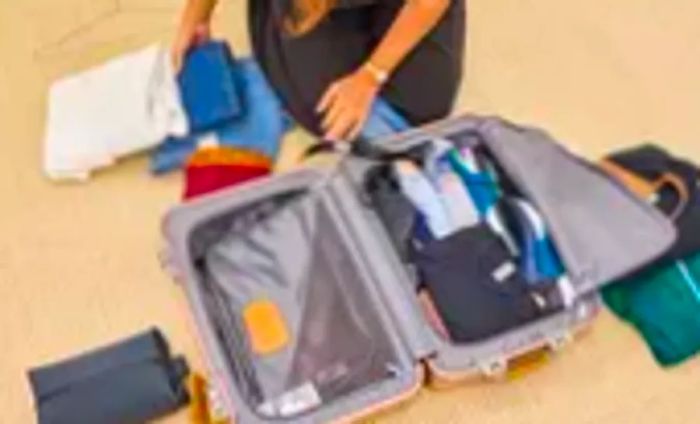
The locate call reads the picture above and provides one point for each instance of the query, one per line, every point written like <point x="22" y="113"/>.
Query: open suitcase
<point x="312" y="242"/>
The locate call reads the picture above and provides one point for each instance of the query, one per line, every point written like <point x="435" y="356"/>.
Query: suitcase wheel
<point x="495" y="370"/>
<point x="167" y="265"/>
<point x="556" y="344"/>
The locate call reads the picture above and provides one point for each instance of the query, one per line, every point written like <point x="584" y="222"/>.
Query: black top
<point x="300" y="68"/>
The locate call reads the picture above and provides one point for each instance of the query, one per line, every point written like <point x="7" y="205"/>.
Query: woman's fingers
<point x="185" y="40"/>
<point x="202" y="34"/>
<point x="343" y="125"/>
<point x="333" y="111"/>
<point x="177" y="57"/>
<point x="345" y="107"/>
<point x="327" y="98"/>
<point x="359" y="125"/>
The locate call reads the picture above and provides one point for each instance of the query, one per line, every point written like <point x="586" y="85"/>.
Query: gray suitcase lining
<point x="194" y="228"/>
<point x="386" y="280"/>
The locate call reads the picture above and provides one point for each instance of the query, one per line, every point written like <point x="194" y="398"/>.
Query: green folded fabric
<point x="663" y="304"/>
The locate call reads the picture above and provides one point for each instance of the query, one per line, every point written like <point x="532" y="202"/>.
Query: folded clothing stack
<point x="482" y="254"/>
<point x="244" y="114"/>
<point x="133" y="381"/>
<point x="129" y="104"/>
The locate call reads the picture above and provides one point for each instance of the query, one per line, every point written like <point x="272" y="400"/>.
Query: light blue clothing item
<point x="260" y="126"/>
<point x="459" y="204"/>
<point x="446" y="189"/>
<point x="383" y="121"/>
<point x="421" y="193"/>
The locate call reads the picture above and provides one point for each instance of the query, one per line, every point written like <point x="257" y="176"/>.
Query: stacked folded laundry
<point x="260" y="126"/>
<point x="136" y="102"/>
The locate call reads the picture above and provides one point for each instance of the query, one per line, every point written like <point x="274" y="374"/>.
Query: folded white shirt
<point x="129" y="104"/>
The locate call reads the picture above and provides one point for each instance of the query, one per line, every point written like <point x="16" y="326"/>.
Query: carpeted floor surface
<point x="78" y="264"/>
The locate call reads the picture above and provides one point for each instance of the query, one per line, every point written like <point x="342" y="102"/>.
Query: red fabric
<point x="200" y="180"/>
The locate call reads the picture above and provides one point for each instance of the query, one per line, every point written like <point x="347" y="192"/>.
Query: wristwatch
<point x="379" y="74"/>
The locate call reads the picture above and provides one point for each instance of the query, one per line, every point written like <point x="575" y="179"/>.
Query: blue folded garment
<point x="481" y="184"/>
<point x="207" y="86"/>
<point x="259" y="127"/>
<point x="479" y="176"/>
<point x="539" y="260"/>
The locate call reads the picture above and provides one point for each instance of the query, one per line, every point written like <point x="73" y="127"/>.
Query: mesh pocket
<point x="297" y="259"/>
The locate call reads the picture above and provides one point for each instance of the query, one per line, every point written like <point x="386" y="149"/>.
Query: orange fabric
<point x="266" y="327"/>
<point x="222" y="155"/>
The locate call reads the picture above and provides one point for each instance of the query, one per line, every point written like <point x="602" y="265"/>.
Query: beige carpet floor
<point x="78" y="264"/>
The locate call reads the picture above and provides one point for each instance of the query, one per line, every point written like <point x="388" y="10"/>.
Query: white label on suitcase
<point x="292" y="402"/>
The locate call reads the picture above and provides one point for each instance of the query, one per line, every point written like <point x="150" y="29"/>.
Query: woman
<point x="329" y="59"/>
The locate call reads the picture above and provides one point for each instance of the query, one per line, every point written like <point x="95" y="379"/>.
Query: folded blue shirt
<point x="207" y="86"/>
<point x="259" y="127"/>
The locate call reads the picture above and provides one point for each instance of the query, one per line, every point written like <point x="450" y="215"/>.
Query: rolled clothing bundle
<point x="132" y="381"/>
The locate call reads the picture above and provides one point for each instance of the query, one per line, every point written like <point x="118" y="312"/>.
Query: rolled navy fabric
<point x="132" y="381"/>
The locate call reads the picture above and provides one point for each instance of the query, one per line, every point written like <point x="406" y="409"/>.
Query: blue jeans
<point x="383" y="121"/>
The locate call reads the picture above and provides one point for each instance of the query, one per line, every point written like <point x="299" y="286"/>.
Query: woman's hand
<point x="346" y="104"/>
<point x="193" y="29"/>
<point x="185" y="39"/>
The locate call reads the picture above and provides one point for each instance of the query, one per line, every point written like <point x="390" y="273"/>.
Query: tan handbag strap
<point x="644" y="188"/>
<point x="669" y="179"/>
<point x="638" y="185"/>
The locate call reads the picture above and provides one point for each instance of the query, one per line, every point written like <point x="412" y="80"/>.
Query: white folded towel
<point x="129" y="104"/>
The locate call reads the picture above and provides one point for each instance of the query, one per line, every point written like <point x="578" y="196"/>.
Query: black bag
<point x="682" y="203"/>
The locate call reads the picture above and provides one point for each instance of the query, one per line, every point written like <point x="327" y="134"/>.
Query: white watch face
<point x="379" y="74"/>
